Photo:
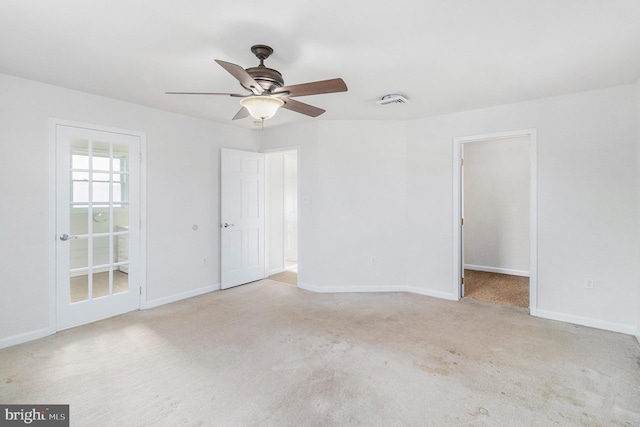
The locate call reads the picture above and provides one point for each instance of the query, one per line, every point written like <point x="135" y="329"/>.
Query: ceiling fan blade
<point x="235" y="95"/>
<point x="241" y="114"/>
<point x="301" y="107"/>
<point x="243" y="77"/>
<point x="314" y="88"/>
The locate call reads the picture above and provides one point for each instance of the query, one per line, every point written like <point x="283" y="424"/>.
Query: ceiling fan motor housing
<point x="268" y="78"/>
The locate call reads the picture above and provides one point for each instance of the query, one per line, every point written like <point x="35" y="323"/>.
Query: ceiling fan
<point x="266" y="89"/>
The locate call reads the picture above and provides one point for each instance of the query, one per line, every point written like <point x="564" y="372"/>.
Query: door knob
<point x="66" y="237"/>
<point x="225" y="225"/>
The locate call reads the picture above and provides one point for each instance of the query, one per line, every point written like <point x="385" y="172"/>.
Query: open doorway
<point x="495" y="202"/>
<point x="495" y="208"/>
<point x="282" y="216"/>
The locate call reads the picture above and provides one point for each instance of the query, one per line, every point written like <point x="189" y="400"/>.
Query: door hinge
<point x="462" y="280"/>
<point x="461" y="162"/>
<point x="140" y="288"/>
<point x="461" y="221"/>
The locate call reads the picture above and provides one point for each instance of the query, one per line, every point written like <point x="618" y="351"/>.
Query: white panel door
<point x="242" y="219"/>
<point x="97" y="232"/>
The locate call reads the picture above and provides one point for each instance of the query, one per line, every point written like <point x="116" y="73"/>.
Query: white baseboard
<point x="411" y="289"/>
<point x="40" y="333"/>
<point x="276" y="271"/>
<point x="496" y="270"/>
<point x="181" y="296"/>
<point x="27" y="336"/>
<point x="546" y="314"/>
<point x="586" y="321"/>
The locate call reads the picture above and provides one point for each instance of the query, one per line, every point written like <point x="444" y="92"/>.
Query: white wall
<point x="586" y="174"/>
<point x="384" y="190"/>
<point x="353" y="190"/>
<point x="182" y="190"/>
<point x="377" y="197"/>
<point x="496" y="205"/>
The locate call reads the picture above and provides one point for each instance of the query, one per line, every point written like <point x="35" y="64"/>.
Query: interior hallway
<point x="269" y="353"/>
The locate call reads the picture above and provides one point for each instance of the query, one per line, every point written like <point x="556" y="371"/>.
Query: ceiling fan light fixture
<point x="262" y="107"/>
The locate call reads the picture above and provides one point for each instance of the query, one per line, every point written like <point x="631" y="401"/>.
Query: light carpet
<point x="270" y="354"/>
<point x="290" y="277"/>
<point x="497" y="288"/>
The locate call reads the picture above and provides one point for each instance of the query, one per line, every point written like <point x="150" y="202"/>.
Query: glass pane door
<point x="98" y="212"/>
<point x="94" y="237"/>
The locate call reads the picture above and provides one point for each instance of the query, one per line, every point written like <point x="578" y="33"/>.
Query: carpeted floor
<point x="290" y="277"/>
<point x="271" y="354"/>
<point x="497" y="288"/>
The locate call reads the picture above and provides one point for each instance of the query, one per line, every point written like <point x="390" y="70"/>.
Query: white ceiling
<point x="445" y="56"/>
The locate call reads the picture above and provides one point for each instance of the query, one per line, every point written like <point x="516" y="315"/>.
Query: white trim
<point x="181" y="296"/>
<point x="533" y="209"/>
<point x="86" y="271"/>
<point x="533" y="222"/>
<point x="361" y="289"/>
<point x="587" y="321"/>
<point x="266" y="214"/>
<point x="142" y="258"/>
<point x="496" y="270"/>
<point x="26" y="337"/>
<point x="52" y="261"/>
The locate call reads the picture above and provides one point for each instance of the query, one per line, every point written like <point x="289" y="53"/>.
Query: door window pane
<point x="120" y="281"/>
<point x="120" y="158"/>
<point x="100" y="220"/>
<point x="100" y="284"/>
<point x="121" y="218"/>
<point x="79" y="288"/>
<point x="78" y="221"/>
<point x="100" y="192"/>
<point x="100" y="177"/>
<point x="79" y="253"/>
<point x="101" y="251"/>
<point x="80" y="191"/>
<point x="120" y="188"/>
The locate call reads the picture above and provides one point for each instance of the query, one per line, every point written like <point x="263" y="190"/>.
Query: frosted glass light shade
<point x="261" y="107"/>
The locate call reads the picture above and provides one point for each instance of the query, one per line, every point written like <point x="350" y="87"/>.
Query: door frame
<point x="297" y="149"/>
<point x="533" y="209"/>
<point x="52" y="227"/>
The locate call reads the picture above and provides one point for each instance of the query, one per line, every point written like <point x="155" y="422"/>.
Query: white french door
<point x="242" y="219"/>
<point x="97" y="224"/>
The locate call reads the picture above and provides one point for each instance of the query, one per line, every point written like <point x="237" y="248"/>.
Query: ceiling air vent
<point x="392" y="99"/>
